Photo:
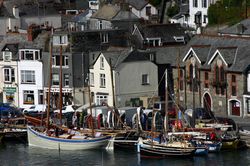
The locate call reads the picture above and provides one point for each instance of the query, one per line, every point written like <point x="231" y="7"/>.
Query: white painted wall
<point x="194" y="10"/>
<point x="248" y="82"/>
<point x="12" y="64"/>
<point x="38" y="68"/>
<point x="142" y="13"/>
<point x="97" y="71"/>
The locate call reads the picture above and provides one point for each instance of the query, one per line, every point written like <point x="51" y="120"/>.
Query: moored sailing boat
<point x="65" y="141"/>
<point x="154" y="149"/>
<point x="61" y="138"/>
<point x="172" y="146"/>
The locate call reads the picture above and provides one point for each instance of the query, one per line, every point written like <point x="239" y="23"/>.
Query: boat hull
<point x="41" y="140"/>
<point x="158" y="151"/>
<point x="213" y="147"/>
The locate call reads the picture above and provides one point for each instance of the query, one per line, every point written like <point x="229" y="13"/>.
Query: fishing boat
<point x="245" y="136"/>
<point x="58" y="136"/>
<point x="167" y="145"/>
<point x="65" y="141"/>
<point x="149" y="149"/>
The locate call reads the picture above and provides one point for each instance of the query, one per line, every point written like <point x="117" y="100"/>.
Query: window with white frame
<point x="28" y="97"/>
<point x="55" y="79"/>
<point x="102" y="63"/>
<point x="91" y="79"/>
<point x="66" y="80"/>
<point x="102" y="81"/>
<point x="204" y="3"/>
<point x="56" y="61"/>
<point x="60" y="39"/>
<point x="27" y="54"/>
<point x="104" y="38"/>
<point x="100" y="24"/>
<point x="9" y="74"/>
<point x="195" y="3"/>
<point x="145" y="79"/>
<point x="248" y="82"/>
<point x="154" y="42"/>
<point x="7" y="55"/>
<point x="28" y="77"/>
<point x="101" y="98"/>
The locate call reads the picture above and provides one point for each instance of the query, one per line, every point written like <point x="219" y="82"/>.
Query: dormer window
<point x="60" y="40"/>
<point x="179" y="39"/>
<point x="29" y="54"/>
<point x="104" y="37"/>
<point x="152" y="57"/>
<point x="7" y="55"/>
<point x="153" y="42"/>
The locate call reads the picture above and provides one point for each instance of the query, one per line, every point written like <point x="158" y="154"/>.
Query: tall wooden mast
<point x="90" y="106"/>
<point x="60" y="88"/>
<point x="166" y="127"/>
<point x="49" y="85"/>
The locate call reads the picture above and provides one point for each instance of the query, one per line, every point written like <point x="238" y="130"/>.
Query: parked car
<point x="39" y="108"/>
<point x="67" y="109"/>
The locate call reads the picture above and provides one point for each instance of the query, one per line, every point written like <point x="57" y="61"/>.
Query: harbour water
<point x="20" y="154"/>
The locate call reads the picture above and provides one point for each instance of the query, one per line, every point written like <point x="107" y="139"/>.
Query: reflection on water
<point x="16" y="154"/>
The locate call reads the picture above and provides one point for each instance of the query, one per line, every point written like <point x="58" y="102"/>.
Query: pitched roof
<point x="12" y="47"/>
<point x="115" y="55"/>
<point x="138" y="55"/>
<point x="125" y="15"/>
<point x="233" y="49"/>
<point x="31" y="8"/>
<point x="166" y="32"/>
<point x="168" y="55"/>
<point x="201" y="51"/>
<point x="138" y="4"/>
<point x="241" y="28"/>
<point x="106" y="12"/>
<point x="228" y="53"/>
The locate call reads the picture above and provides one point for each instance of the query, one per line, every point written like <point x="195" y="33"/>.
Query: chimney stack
<point x="15" y="11"/>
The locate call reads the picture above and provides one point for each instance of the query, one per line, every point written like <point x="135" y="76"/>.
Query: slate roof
<point x="235" y="50"/>
<point x="124" y="16"/>
<point x="168" y="55"/>
<point x="138" y="55"/>
<point x="13" y="47"/>
<point x="164" y="31"/>
<point x="81" y="17"/>
<point x="106" y="12"/>
<point x="201" y="51"/>
<point x="241" y="28"/>
<point x="228" y="53"/>
<point x="116" y="56"/>
<point x="30" y="8"/>
<point x="4" y="12"/>
<point x="137" y="4"/>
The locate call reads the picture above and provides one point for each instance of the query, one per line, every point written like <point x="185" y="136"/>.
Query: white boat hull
<point x="41" y="140"/>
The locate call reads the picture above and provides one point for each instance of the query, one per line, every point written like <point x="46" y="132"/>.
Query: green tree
<point x="173" y="11"/>
<point x="226" y="12"/>
<point x="155" y="2"/>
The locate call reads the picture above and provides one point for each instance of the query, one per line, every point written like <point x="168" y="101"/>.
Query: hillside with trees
<point x="228" y="12"/>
